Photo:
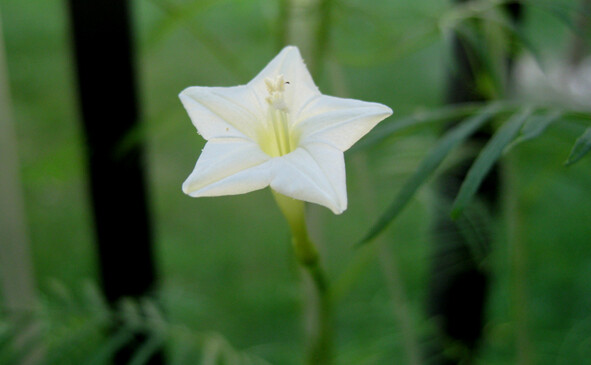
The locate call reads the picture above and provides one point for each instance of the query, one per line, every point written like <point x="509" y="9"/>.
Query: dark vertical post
<point x="459" y="281"/>
<point x="106" y="83"/>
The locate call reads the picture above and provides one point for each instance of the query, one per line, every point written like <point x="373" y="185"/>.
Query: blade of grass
<point x="391" y="126"/>
<point x="563" y="13"/>
<point x="448" y="142"/>
<point x="487" y="73"/>
<point x="578" y="114"/>
<point x="446" y="113"/>
<point x="486" y="159"/>
<point x="534" y="127"/>
<point x="580" y="148"/>
<point x="519" y="36"/>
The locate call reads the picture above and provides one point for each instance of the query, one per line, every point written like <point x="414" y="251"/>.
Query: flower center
<point x="277" y="139"/>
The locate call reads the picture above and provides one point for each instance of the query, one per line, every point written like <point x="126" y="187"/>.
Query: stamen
<point x="278" y="140"/>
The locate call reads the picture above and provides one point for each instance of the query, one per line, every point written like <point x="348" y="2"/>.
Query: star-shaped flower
<point x="278" y="130"/>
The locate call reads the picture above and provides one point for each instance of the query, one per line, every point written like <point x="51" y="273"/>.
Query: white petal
<point x="299" y="86"/>
<point x="338" y="121"/>
<point x="221" y="112"/>
<point x="229" y="167"/>
<point x="314" y="173"/>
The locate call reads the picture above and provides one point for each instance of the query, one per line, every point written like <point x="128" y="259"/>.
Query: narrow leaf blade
<point x="448" y="142"/>
<point x="581" y="147"/>
<point x="390" y="127"/>
<point x="534" y="127"/>
<point x="486" y="159"/>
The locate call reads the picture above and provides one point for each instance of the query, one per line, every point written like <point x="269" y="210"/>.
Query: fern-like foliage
<point x="81" y="328"/>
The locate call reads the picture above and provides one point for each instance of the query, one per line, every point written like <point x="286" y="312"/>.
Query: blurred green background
<point x="225" y="264"/>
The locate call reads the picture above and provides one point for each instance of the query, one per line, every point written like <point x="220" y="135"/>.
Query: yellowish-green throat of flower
<point x="277" y="138"/>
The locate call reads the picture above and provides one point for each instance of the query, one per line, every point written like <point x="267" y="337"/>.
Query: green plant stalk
<point x="321" y="43"/>
<point x="307" y="24"/>
<point x="319" y="337"/>
<point x="517" y="258"/>
<point x="391" y="272"/>
<point x="18" y="295"/>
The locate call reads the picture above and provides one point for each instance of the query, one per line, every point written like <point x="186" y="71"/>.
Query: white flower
<point x="277" y="130"/>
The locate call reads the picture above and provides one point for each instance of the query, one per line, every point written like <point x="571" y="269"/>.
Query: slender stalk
<point x="400" y="303"/>
<point x="17" y="283"/>
<point x="308" y="26"/>
<point x="319" y="336"/>
<point x="283" y="26"/>
<point x="391" y="274"/>
<point x="322" y="36"/>
<point x="517" y="258"/>
<point x="16" y="271"/>
<point x="301" y="24"/>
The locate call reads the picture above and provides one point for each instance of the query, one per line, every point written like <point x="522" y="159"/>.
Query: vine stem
<point x="318" y="318"/>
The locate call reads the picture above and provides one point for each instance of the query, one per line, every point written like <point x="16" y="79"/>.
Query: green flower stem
<point x="318" y="304"/>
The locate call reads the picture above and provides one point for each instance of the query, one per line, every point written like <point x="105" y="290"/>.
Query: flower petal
<point x="338" y="121"/>
<point x="228" y="167"/>
<point x="220" y="112"/>
<point x="237" y="120"/>
<point x="299" y="86"/>
<point x="314" y="173"/>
